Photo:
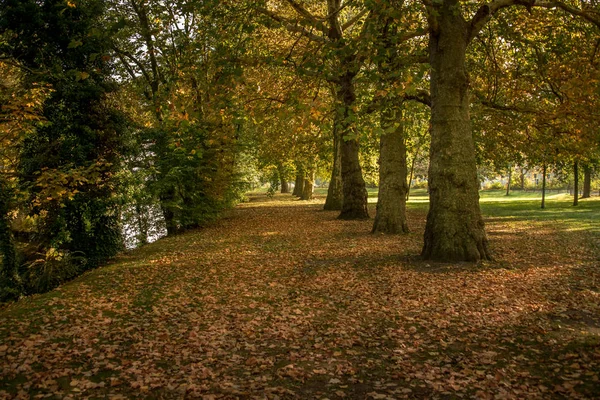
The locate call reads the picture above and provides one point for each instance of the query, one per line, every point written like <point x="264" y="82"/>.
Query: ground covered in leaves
<point x="281" y="300"/>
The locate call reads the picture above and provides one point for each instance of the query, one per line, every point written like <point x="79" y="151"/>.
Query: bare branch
<point x="123" y="53"/>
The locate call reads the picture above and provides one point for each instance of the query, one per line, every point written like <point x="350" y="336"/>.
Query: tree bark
<point x="285" y="188"/>
<point x="166" y="199"/>
<point x="299" y="183"/>
<point x="391" y="202"/>
<point x="455" y="229"/>
<point x="576" y="183"/>
<point x="412" y="171"/>
<point x="335" y="194"/>
<point x="354" y="189"/>
<point x="587" y="182"/>
<point x="544" y="186"/>
<point x="307" y="189"/>
<point x="508" y="183"/>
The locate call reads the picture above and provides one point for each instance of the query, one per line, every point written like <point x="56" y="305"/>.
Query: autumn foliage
<point x="251" y="307"/>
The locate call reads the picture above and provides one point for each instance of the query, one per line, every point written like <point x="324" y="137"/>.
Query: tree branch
<point x="485" y="13"/>
<point x="422" y="96"/>
<point x="431" y="14"/>
<point x="121" y="53"/>
<point x="353" y="20"/>
<point x="292" y="26"/>
<point x="301" y="10"/>
<point x="593" y="16"/>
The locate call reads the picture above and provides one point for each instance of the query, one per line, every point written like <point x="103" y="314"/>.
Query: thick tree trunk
<point x="307" y="189"/>
<point x="335" y="194"/>
<point x="391" y="201"/>
<point x="576" y="183"/>
<point x="508" y="183"/>
<point x="455" y="229"/>
<point x="544" y="186"/>
<point x="285" y="188"/>
<point x="299" y="183"/>
<point x="587" y="182"/>
<point x="354" y="189"/>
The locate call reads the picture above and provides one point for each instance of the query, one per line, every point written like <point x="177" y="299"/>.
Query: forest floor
<point x="279" y="299"/>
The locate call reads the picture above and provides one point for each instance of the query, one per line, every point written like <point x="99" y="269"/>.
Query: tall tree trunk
<point x="455" y="229"/>
<point x="166" y="199"/>
<point x="544" y="186"/>
<point x="391" y="201"/>
<point x="354" y="189"/>
<point x="587" y="182"/>
<point x="141" y="215"/>
<point x="508" y="183"/>
<point x="285" y="188"/>
<point x="335" y="194"/>
<point x="309" y="181"/>
<point x="299" y="183"/>
<point x="576" y="183"/>
<point x="412" y="171"/>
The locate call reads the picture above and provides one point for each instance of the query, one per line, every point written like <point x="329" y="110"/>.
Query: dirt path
<point x="281" y="300"/>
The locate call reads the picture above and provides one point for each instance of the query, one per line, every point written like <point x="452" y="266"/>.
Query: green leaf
<point x="74" y="43"/>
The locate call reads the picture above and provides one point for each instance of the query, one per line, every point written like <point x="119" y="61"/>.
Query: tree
<point x="68" y="165"/>
<point x="184" y="60"/>
<point x="455" y="228"/>
<point x="334" y="37"/>
<point x="392" y="57"/>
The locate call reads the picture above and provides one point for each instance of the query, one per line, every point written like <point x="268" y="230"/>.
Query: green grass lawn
<point x="521" y="205"/>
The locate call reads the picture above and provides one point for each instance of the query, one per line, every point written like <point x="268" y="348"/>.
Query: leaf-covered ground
<point x="281" y="300"/>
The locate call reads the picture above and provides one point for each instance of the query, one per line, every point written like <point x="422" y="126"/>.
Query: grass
<point x="279" y="299"/>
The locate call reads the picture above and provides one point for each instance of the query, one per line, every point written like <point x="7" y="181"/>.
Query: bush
<point x="54" y="268"/>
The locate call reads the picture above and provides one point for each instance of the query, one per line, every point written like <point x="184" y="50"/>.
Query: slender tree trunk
<point x="285" y="188"/>
<point x="576" y="183"/>
<point x="455" y="229"/>
<point x="307" y="189"/>
<point x="142" y="220"/>
<point x="508" y="183"/>
<point x="587" y="182"/>
<point x="544" y="186"/>
<point x="391" y="201"/>
<point x="354" y="189"/>
<point x="166" y="204"/>
<point x="412" y="171"/>
<point x="335" y="194"/>
<point x="299" y="183"/>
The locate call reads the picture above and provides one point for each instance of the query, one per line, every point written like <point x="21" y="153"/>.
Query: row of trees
<point x="501" y="79"/>
<point x="148" y="114"/>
